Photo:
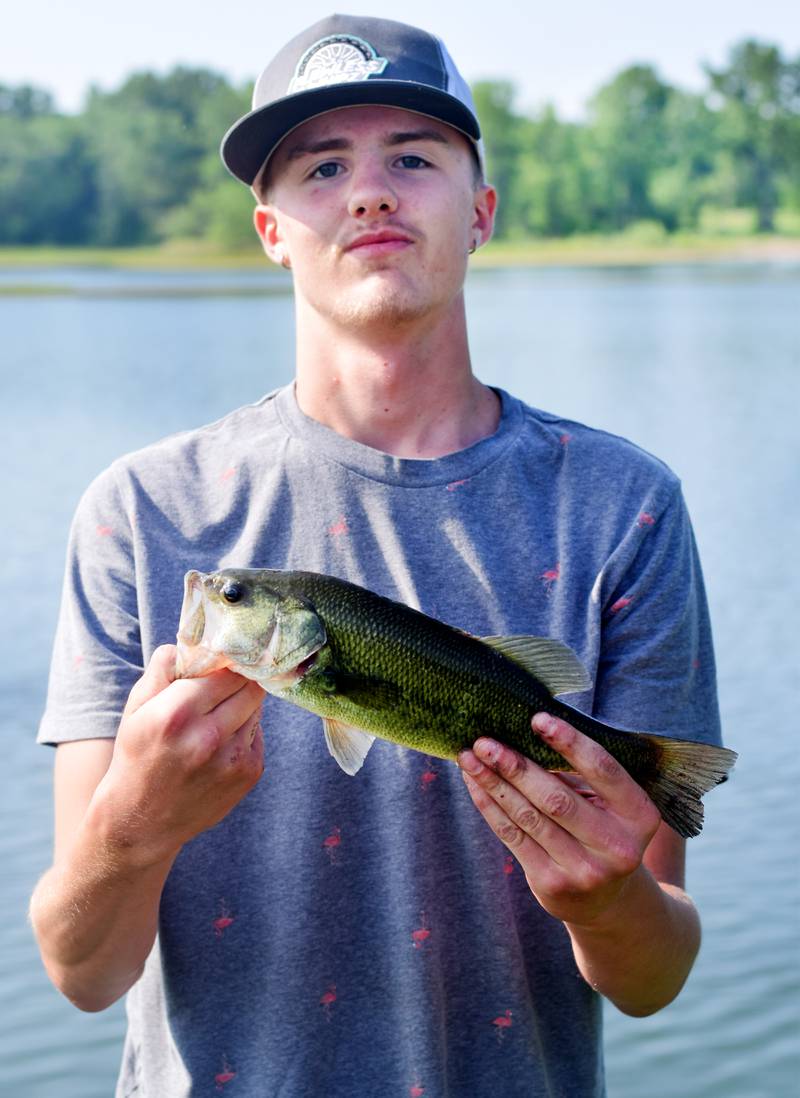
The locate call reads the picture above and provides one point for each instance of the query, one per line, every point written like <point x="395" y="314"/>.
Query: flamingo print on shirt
<point x="331" y="844"/>
<point x="223" y="920"/>
<point x="502" y="1023"/>
<point x="429" y="775"/>
<point x="225" y="1076"/>
<point x="327" y="1000"/>
<point x="421" y="935"/>
<point x="338" y="528"/>
<point x="551" y="576"/>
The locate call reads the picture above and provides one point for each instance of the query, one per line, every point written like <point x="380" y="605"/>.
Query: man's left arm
<point x="597" y="856"/>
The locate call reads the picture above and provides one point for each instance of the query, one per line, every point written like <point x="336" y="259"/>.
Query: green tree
<point x="501" y="130"/>
<point x="151" y="140"/>
<point x="552" y="188"/>
<point x="685" y="180"/>
<point x="221" y="214"/>
<point x="758" y="100"/>
<point x="626" y="144"/>
<point x="47" y="185"/>
<point x="141" y="163"/>
<point x="25" y="101"/>
<point x="220" y="208"/>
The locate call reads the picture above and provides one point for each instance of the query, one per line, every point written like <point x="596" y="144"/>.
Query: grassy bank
<point x="175" y="255"/>
<point x="628" y="249"/>
<point x="625" y="249"/>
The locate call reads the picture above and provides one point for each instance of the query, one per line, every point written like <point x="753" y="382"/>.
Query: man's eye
<point x="326" y="171"/>
<point x="411" y="161"/>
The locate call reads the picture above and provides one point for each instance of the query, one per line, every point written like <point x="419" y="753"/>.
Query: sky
<point x="554" y="53"/>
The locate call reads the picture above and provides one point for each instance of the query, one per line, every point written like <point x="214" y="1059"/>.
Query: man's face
<point x="375" y="209"/>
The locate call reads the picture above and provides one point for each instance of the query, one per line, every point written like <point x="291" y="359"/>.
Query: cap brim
<point x="249" y="142"/>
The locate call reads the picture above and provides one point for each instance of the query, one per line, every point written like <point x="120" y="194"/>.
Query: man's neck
<point x="409" y="391"/>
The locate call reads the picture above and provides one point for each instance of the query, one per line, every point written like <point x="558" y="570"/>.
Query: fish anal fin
<point x="348" y="745"/>
<point x="554" y="664"/>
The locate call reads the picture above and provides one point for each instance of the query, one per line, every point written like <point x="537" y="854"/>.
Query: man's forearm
<point x="95" y="918"/>
<point x="640" y="951"/>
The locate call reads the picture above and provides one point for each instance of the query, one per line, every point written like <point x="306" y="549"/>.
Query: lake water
<point x="700" y="365"/>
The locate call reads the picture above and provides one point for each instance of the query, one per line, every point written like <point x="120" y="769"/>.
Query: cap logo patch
<point x="337" y="59"/>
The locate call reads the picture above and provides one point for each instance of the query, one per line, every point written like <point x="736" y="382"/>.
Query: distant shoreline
<point x="584" y="251"/>
<point x="604" y="251"/>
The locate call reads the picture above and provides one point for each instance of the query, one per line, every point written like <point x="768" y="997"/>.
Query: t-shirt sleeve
<point x="97" y="654"/>
<point x="656" y="671"/>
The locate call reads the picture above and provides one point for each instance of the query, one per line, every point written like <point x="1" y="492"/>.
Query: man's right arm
<point x="186" y="753"/>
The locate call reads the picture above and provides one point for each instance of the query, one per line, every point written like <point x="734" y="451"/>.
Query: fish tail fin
<point x="685" y="770"/>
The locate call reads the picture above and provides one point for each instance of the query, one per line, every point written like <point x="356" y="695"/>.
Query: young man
<point x="305" y="932"/>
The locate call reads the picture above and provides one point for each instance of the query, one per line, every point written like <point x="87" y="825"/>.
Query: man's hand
<point x="597" y="856"/>
<point x="186" y="753"/>
<point x="577" y="846"/>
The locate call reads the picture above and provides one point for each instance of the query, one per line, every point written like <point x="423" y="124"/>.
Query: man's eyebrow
<point x="338" y="144"/>
<point x="329" y="144"/>
<point x="416" y="135"/>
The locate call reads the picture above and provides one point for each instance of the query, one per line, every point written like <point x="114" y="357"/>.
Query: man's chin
<point x="380" y="305"/>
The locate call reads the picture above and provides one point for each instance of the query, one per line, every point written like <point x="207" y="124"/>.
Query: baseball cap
<point x="345" y="61"/>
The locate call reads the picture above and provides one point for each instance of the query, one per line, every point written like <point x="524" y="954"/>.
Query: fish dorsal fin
<point x="348" y="745"/>
<point x="554" y="664"/>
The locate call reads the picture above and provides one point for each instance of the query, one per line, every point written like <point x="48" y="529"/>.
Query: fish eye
<point x="233" y="592"/>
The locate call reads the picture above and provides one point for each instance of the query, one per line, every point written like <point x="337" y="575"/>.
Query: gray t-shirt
<point x="370" y="936"/>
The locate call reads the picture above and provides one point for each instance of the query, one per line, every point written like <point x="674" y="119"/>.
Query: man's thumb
<point x="158" y="675"/>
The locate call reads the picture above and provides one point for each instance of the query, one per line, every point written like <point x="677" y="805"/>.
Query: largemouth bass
<point x="371" y="667"/>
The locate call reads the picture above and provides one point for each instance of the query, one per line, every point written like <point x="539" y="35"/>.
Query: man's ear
<point x="484" y="211"/>
<point x="268" y="230"/>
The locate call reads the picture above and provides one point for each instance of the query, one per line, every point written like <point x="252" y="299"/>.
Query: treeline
<point x="141" y="164"/>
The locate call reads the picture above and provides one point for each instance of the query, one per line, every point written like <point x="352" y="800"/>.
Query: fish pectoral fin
<point x="348" y="745"/>
<point x="554" y="664"/>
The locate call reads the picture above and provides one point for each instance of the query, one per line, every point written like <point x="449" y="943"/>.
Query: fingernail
<point x="545" y="725"/>
<point x="468" y="762"/>
<point x="487" y="749"/>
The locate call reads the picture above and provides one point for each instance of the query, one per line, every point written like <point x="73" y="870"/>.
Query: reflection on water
<point x="698" y="365"/>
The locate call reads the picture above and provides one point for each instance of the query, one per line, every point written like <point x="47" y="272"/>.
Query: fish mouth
<point x="193" y="658"/>
<point x="305" y="665"/>
<point x="285" y="680"/>
<point x="193" y="616"/>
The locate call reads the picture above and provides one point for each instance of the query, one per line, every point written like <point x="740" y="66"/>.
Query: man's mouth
<point x="380" y="243"/>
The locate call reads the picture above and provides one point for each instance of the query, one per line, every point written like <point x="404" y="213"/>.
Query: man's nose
<point x="371" y="194"/>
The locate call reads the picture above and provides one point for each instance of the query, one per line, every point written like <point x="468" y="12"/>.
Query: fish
<point x="372" y="667"/>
